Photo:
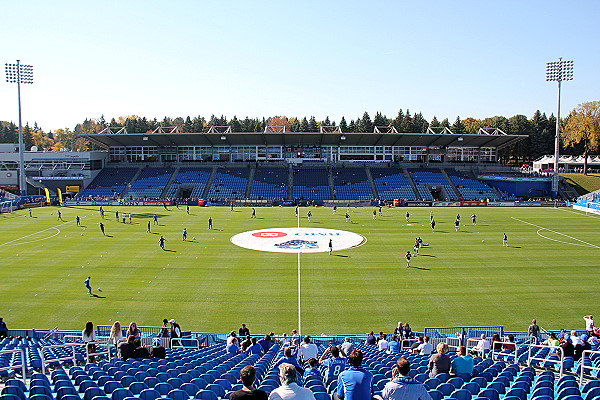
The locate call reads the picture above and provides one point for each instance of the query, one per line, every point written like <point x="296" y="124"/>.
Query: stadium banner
<point x="473" y="203"/>
<point x="72" y="189"/>
<point x="103" y="203"/>
<point x="528" y="203"/>
<point x="157" y="203"/>
<point x="287" y="203"/>
<point x="47" y="193"/>
<point x="59" y="193"/>
<point x="201" y="202"/>
<point x="553" y="204"/>
<point x="446" y="204"/>
<point x="418" y="203"/>
<point x="501" y="204"/>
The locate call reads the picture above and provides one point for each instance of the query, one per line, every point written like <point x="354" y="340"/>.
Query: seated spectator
<point x="313" y="369"/>
<point x="289" y="389"/>
<point x="394" y="345"/>
<point x="266" y="343"/>
<point x="383" y="344"/>
<point x="248" y="392"/>
<point x="334" y="365"/>
<point x="496" y="345"/>
<point x="399" y="330"/>
<point x="157" y="350"/>
<point x="133" y="330"/>
<point x="307" y="350"/>
<point x="116" y="334"/>
<point x="244" y="331"/>
<point x="140" y="351"/>
<point x="402" y="386"/>
<point x="425" y="348"/>
<point x="254" y="348"/>
<point x="567" y="346"/>
<point x="125" y="349"/>
<point x="483" y="346"/>
<point x="462" y="365"/>
<point x="355" y="383"/>
<point x="552" y="340"/>
<point x="246" y="344"/>
<point x="414" y="347"/>
<point x="511" y="342"/>
<point x="288" y="358"/>
<point x="370" y="340"/>
<point x="347" y="347"/>
<point x="233" y="347"/>
<point x="3" y="328"/>
<point x="232" y="336"/>
<point x="408" y="333"/>
<point x="439" y="363"/>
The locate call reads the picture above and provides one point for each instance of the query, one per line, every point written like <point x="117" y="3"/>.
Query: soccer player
<point x="431" y="215"/>
<point x="408" y="256"/>
<point x="432" y="225"/>
<point x="296" y="211"/>
<point x="458" y="217"/>
<point x="124" y="217"/>
<point x="129" y="217"/>
<point x="187" y="209"/>
<point x="209" y="222"/>
<point x="348" y="218"/>
<point x="380" y="210"/>
<point x="59" y="216"/>
<point x="88" y="285"/>
<point x="457" y="224"/>
<point x="308" y="215"/>
<point x="117" y="216"/>
<point x="474" y="219"/>
<point x="155" y="218"/>
<point x="78" y="220"/>
<point x="184" y="234"/>
<point x="334" y="209"/>
<point x="101" y="213"/>
<point x="253" y="213"/>
<point x="407" y="216"/>
<point x="416" y="246"/>
<point x="30" y="212"/>
<point x="161" y="242"/>
<point x="504" y="240"/>
<point x="330" y="246"/>
<point x="374" y="214"/>
<point x="232" y="206"/>
<point x="102" y="228"/>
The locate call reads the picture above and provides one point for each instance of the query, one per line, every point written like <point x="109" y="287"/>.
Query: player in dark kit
<point x="184" y="235"/>
<point x="102" y="228"/>
<point x="161" y="242"/>
<point x="330" y="246"/>
<point x="407" y="256"/>
<point x="148" y="228"/>
<point x="474" y="219"/>
<point x="209" y="222"/>
<point x="407" y="216"/>
<point x="253" y="213"/>
<point x="432" y="224"/>
<point x="88" y="285"/>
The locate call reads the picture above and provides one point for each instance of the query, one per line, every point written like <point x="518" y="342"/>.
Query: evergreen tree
<point x="365" y="124"/>
<point x="407" y="123"/>
<point x="343" y="125"/>
<point x="398" y="121"/>
<point x="235" y="124"/>
<point x="312" y="125"/>
<point x="304" y="125"/>
<point x="420" y="124"/>
<point x="380" y="120"/>
<point x="434" y="122"/>
<point x="352" y="126"/>
<point x="458" y="127"/>
<point x="445" y="123"/>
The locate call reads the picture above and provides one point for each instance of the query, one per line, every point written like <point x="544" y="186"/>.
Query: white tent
<point x="566" y="163"/>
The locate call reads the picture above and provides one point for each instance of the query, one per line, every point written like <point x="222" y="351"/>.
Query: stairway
<point x="250" y="181"/>
<point x="124" y="192"/>
<point x="457" y="194"/>
<point x="371" y="182"/>
<point x="412" y="183"/>
<point x="168" y="185"/>
<point x="209" y="182"/>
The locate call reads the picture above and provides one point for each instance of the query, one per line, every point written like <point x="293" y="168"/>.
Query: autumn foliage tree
<point x="279" y="124"/>
<point x="583" y="126"/>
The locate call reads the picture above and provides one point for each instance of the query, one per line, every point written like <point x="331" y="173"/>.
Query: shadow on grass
<point x="98" y="296"/>
<point x="340" y="255"/>
<point x="426" y="255"/>
<point x="170" y="251"/>
<point x="421" y="268"/>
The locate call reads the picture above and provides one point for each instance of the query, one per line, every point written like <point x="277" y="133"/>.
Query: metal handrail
<point x="583" y="367"/>
<point x="23" y="364"/>
<point x="181" y="345"/>
<point x="98" y="353"/>
<point x="469" y="348"/>
<point x="514" y="350"/>
<point x="56" y="346"/>
<point x="560" y="361"/>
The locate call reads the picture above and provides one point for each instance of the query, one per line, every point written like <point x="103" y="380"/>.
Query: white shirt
<point x="576" y="340"/>
<point x="425" y="349"/>
<point x="382" y="345"/>
<point x="291" y="391"/>
<point x="347" y="347"/>
<point x="116" y="339"/>
<point x="589" y="324"/>
<point x="88" y="338"/>
<point x="483" y="345"/>
<point x="307" y="350"/>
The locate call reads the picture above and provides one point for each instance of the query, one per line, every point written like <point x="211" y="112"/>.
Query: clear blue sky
<point x="295" y="58"/>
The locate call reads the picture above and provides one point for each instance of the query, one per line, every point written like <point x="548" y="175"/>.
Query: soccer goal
<point x="7" y="207"/>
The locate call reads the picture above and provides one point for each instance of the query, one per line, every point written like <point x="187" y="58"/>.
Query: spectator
<point x="414" y="347"/>
<point x="567" y="346"/>
<point x="246" y="343"/>
<point x="383" y="344"/>
<point x="289" y="389"/>
<point x="164" y="331"/>
<point x="589" y="324"/>
<point x="244" y="331"/>
<point x="347" y="347"/>
<point x="394" y="345"/>
<point x="425" y="348"/>
<point x="408" y="333"/>
<point x="511" y="342"/>
<point x="233" y="347"/>
<point x="231" y="337"/>
<point x="254" y="348"/>
<point x="140" y="351"/>
<point x="335" y="364"/>
<point x="402" y="386"/>
<point x="370" y="340"/>
<point x="133" y="330"/>
<point x="307" y="350"/>
<point x="496" y="342"/>
<point x="116" y="334"/>
<point x="125" y="349"/>
<point x="313" y="370"/>
<point x="534" y="331"/>
<point x="266" y="343"/>
<point x="175" y="329"/>
<point x="89" y="338"/>
<point x="439" y="363"/>
<point x="483" y="346"/>
<point x="248" y="392"/>
<point x="399" y="329"/>
<point x="3" y="328"/>
<point x="552" y="340"/>
<point x="157" y="350"/>
<point x="288" y="358"/>
<point x="355" y="383"/>
<point x="462" y="365"/>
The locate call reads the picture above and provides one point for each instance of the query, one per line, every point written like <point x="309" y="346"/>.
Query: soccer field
<point x="549" y="271"/>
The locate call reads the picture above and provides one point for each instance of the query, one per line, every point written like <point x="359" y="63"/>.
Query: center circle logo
<point x="297" y="240"/>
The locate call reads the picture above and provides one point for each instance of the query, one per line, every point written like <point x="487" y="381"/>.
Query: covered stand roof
<point x="497" y="140"/>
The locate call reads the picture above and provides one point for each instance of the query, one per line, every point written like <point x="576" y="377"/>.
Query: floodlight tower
<point x="19" y="73"/>
<point x="558" y="71"/>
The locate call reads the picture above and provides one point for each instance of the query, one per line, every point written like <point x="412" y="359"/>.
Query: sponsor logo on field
<point x="297" y="240"/>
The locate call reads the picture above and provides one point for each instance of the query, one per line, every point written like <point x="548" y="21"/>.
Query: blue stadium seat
<point x="432" y="383"/>
<point x="568" y="391"/>
<point x="177" y="394"/>
<point x="204" y="394"/>
<point x="86" y="384"/>
<point x="42" y="389"/>
<point x="92" y="392"/>
<point x="151" y="381"/>
<point x="137" y="387"/>
<point x="218" y="389"/>
<point x="190" y="389"/>
<point x="121" y="394"/>
<point x="461" y="394"/>
<point x="13" y="390"/>
<point x="472" y="387"/>
<point x="435" y="394"/>
<point x="322" y="396"/>
<point x="110" y="386"/>
<point x="490" y="394"/>
<point x="446" y="388"/>
<point x="517" y="392"/>
<point x="149" y="394"/>
<point x="443" y="377"/>
<point x="457" y="382"/>
<point x="163" y="388"/>
<point x="593" y="392"/>
<point x="201" y="383"/>
<point x="40" y="397"/>
<point x="590" y="385"/>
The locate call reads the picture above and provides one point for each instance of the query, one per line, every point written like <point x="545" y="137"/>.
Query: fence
<point x="561" y="359"/>
<point x="584" y="367"/>
<point x="22" y="365"/>
<point x="57" y="346"/>
<point x="461" y="334"/>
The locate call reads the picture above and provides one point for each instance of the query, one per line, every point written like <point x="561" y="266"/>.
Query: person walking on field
<point x="504" y="240"/>
<point x="407" y="256"/>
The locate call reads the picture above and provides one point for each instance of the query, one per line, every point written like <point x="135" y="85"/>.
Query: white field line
<point x="34" y="233"/>
<point x="558" y="233"/>
<point x="582" y="213"/>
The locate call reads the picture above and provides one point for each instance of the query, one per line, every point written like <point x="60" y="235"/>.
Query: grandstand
<point x="269" y="183"/>
<point x="150" y="183"/>
<point x="351" y="184"/>
<point x="229" y="184"/>
<point x="109" y="183"/>
<point x="392" y="183"/>
<point x="189" y="183"/>
<point x="311" y="183"/>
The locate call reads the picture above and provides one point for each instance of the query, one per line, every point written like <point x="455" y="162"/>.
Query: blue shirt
<point x="266" y="344"/>
<point x="394" y="346"/>
<point x="462" y="365"/>
<point x="312" y="372"/>
<point x="292" y="360"/>
<point x="334" y="367"/>
<point x="233" y="348"/>
<point x="355" y="384"/>
<point x="405" y="388"/>
<point x="255" y="349"/>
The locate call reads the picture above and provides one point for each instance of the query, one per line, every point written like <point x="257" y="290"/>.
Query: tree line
<point x="540" y="130"/>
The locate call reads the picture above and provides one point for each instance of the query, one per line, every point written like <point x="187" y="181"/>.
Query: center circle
<point x="297" y="240"/>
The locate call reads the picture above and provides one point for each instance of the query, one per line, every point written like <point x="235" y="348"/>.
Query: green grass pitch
<point x="549" y="272"/>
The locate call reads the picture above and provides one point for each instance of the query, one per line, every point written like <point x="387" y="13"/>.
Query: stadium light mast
<point x="19" y="73"/>
<point x="558" y="71"/>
